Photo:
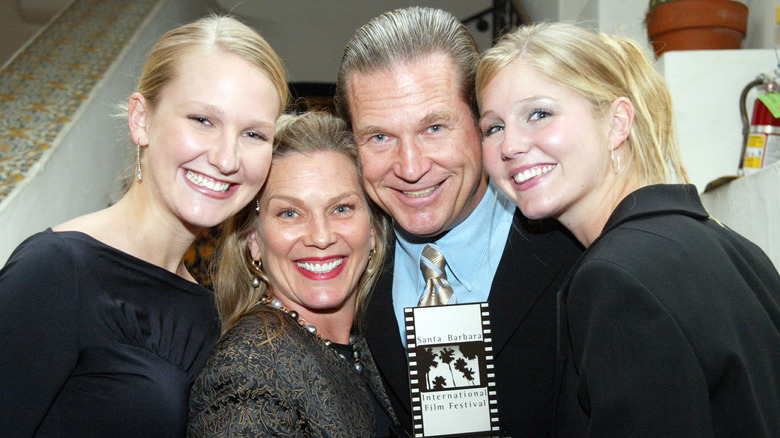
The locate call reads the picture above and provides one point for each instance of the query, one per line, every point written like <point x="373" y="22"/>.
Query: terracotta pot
<point x="697" y="25"/>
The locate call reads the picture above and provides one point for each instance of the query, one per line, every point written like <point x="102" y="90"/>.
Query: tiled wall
<point x="44" y="86"/>
<point x="61" y="149"/>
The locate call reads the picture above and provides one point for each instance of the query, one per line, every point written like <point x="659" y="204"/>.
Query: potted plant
<point x="696" y="24"/>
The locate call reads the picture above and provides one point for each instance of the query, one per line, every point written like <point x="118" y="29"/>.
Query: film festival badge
<point x="451" y="374"/>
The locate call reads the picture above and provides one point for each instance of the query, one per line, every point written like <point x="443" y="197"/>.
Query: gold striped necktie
<point x="437" y="289"/>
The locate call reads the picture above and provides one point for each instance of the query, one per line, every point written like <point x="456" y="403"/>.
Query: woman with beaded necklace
<point x="293" y="274"/>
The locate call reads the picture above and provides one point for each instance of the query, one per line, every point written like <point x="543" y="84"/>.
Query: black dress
<point x="96" y="342"/>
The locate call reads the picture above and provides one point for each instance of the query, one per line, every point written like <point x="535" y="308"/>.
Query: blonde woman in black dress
<point x="103" y="328"/>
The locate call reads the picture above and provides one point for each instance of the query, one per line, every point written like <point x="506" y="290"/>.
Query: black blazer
<point x="536" y="259"/>
<point x="670" y="327"/>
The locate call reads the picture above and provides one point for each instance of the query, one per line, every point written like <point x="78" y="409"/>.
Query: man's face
<point x="419" y="144"/>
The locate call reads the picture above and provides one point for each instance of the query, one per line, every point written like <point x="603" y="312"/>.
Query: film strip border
<point x="487" y="336"/>
<point x="414" y="376"/>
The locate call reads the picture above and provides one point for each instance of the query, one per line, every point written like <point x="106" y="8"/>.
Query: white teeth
<point x="532" y="173"/>
<point x="207" y="182"/>
<point x="420" y="193"/>
<point x="322" y="268"/>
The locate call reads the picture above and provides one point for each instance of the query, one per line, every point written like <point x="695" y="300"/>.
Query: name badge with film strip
<point x="451" y="373"/>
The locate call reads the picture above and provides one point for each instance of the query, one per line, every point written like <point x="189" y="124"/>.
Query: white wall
<point x="762" y="32"/>
<point x="751" y="206"/>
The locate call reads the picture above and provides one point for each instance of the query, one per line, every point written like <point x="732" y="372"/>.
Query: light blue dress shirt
<point x="473" y="250"/>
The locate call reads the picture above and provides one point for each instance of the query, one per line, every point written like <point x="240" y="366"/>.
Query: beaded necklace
<point x="277" y="304"/>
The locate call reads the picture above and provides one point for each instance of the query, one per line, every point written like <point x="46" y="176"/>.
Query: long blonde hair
<point x="304" y="134"/>
<point x="600" y="68"/>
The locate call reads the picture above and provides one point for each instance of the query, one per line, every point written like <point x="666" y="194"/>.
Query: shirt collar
<point x="465" y="246"/>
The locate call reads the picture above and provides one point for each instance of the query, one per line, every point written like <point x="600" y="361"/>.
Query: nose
<point x="321" y="233"/>
<point x="513" y="143"/>
<point x="224" y="156"/>
<point x="411" y="163"/>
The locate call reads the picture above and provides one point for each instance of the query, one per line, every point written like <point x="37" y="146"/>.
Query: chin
<point x="422" y="225"/>
<point x="206" y="223"/>
<point x="535" y="211"/>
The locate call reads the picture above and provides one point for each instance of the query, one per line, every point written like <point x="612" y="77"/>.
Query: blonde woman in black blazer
<point x="669" y="323"/>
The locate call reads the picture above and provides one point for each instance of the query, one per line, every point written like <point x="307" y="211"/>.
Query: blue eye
<point x="201" y="120"/>
<point x="256" y="135"/>
<point x="493" y="129"/>
<point x="435" y="128"/>
<point x="288" y="214"/>
<point x="344" y="208"/>
<point x="539" y="114"/>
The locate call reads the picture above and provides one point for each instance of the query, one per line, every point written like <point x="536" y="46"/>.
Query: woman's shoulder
<point x="44" y="249"/>
<point x="263" y="335"/>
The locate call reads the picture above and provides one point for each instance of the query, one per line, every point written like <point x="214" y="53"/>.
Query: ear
<point x="254" y="246"/>
<point x="373" y="238"/>
<point x="621" y="120"/>
<point x="137" y="118"/>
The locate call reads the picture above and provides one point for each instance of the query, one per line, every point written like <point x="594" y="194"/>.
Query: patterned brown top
<point x="292" y="386"/>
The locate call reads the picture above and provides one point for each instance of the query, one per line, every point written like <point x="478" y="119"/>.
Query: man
<point x="406" y="85"/>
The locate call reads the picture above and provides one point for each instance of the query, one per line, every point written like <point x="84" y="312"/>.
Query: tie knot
<point x="437" y="289"/>
<point x="432" y="262"/>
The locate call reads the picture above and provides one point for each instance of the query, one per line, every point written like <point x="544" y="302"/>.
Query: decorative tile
<point x="45" y="84"/>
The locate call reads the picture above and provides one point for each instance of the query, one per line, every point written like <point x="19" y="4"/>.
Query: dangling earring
<point x="257" y="205"/>
<point x="257" y="264"/>
<point x="612" y="158"/>
<point x="138" y="174"/>
<point x="371" y="254"/>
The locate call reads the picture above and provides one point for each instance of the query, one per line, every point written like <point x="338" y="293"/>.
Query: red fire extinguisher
<point x="761" y="139"/>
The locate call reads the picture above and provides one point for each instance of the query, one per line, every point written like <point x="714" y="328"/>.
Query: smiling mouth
<point x="421" y="193"/>
<point x="320" y="268"/>
<point x="206" y="182"/>
<point x="532" y="173"/>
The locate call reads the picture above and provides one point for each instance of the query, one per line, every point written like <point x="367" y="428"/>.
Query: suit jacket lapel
<point x="531" y="258"/>
<point x="383" y="336"/>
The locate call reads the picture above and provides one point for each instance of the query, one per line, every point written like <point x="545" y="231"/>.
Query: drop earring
<point x="612" y="158"/>
<point x="257" y="264"/>
<point x="138" y="174"/>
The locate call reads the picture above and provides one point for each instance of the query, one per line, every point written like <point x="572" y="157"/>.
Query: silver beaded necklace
<point x="277" y="304"/>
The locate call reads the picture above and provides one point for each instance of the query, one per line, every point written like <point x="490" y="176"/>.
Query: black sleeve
<point x="638" y="373"/>
<point x="38" y="331"/>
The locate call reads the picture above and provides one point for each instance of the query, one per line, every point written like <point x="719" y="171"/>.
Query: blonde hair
<point x="219" y="33"/>
<point x="307" y="133"/>
<point x="600" y="68"/>
<point x="405" y="36"/>
<point x="212" y="33"/>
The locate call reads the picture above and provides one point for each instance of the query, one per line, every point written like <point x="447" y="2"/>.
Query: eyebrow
<point x="220" y="114"/>
<point x="333" y="200"/>
<point x="429" y="119"/>
<point x="368" y="130"/>
<point x="436" y="116"/>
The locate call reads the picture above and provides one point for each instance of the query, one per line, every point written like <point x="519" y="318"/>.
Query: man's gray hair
<point x="404" y="36"/>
